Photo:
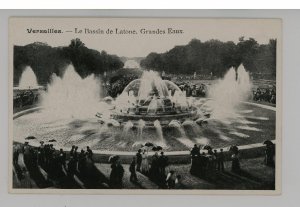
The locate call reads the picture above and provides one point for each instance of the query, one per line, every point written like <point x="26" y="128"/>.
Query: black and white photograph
<point x="145" y="105"/>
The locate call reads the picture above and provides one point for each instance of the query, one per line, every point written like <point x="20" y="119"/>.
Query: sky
<point x="140" y="45"/>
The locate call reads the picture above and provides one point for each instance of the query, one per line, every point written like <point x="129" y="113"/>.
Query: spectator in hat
<point x="139" y="159"/>
<point x="221" y="158"/>
<point x="133" y="177"/>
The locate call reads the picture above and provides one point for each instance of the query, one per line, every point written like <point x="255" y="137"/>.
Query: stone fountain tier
<point x="163" y="117"/>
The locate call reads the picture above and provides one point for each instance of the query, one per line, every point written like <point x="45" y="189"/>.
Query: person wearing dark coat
<point x="62" y="157"/>
<point x="269" y="155"/>
<point x="81" y="161"/>
<point x="195" y="154"/>
<point x="195" y="151"/>
<point x="41" y="154"/>
<point x="71" y="166"/>
<point x="72" y="151"/>
<point x="75" y="154"/>
<point x="138" y="160"/>
<point x="162" y="164"/>
<point x="215" y="159"/>
<point x="133" y="177"/>
<point x="235" y="163"/>
<point x="89" y="152"/>
<point x="203" y="163"/>
<point x="27" y="154"/>
<point x="221" y="158"/>
<point x="116" y="175"/>
<point x="154" y="169"/>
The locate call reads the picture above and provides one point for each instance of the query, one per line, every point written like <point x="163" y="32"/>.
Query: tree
<point x="46" y="60"/>
<point x="215" y="56"/>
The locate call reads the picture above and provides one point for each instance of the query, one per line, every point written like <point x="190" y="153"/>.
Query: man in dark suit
<point x="162" y="164"/>
<point x="62" y="158"/>
<point x="195" y="154"/>
<point x="89" y="153"/>
<point x="138" y="160"/>
<point x="221" y="160"/>
<point x="133" y="177"/>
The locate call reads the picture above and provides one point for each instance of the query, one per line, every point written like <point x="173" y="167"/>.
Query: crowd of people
<point x="116" y="85"/>
<point x="194" y="76"/>
<point x="79" y="164"/>
<point x="202" y="163"/>
<point x="265" y="94"/>
<point x="155" y="167"/>
<point x="53" y="161"/>
<point x="194" y="90"/>
<point x="25" y="98"/>
<point x="185" y="83"/>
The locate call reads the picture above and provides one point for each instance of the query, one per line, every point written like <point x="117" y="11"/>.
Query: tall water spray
<point x="151" y="80"/>
<point x="128" y="126"/>
<point x="229" y="92"/>
<point x="28" y="79"/>
<point x="72" y="96"/>
<point x="159" y="132"/>
<point x="141" y="126"/>
<point x="176" y="124"/>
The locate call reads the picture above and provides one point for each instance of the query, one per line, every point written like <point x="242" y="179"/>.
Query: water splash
<point x="28" y="79"/>
<point x="141" y="126"/>
<point x="159" y="132"/>
<point x="239" y="134"/>
<point x="128" y="126"/>
<point x="150" y="81"/>
<point x="248" y="128"/>
<point x="152" y="94"/>
<point x="72" y="96"/>
<point x="175" y="123"/>
<point x="188" y="122"/>
<point x="228" y="93"/>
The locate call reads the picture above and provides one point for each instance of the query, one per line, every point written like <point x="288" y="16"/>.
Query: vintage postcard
<point x="145" y="105"/>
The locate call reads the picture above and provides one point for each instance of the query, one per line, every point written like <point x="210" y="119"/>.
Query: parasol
<point x="268" y="142"/>
<point x="30" y="137"/>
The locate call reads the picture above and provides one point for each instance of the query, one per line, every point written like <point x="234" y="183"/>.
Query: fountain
<point x="128" y="125"/>
<point x="158" y="128"/>
<point x="150" y="98"/>
<point x="28" y="79"/>
<point x="141" y="126"/>
<point x="149" y="109"/>
<point x="228" y="93"/>
<point x="72" y="96"/>
<point x="28" y="91"/>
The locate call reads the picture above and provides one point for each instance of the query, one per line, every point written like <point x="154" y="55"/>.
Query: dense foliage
<point x="216" y="56"/>
<point x="46" y="60"/>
